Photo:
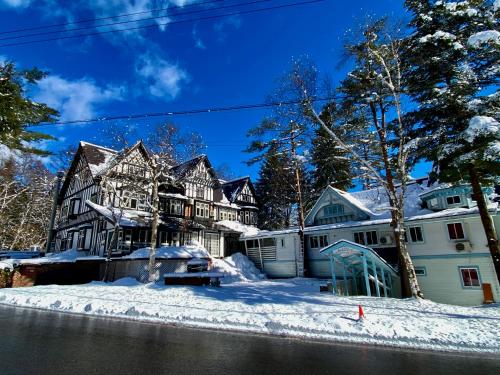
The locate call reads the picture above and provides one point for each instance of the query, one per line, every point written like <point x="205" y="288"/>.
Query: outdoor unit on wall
<point x="463" y="246"/>
<point x="386" y="239"/>
<point x="190" y="201"/>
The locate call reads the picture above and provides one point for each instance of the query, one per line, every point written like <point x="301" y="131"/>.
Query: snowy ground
<point x="280" y="307"/>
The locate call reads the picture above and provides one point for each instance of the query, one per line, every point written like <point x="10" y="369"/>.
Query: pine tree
<point x="274" y="191"/>
<point x="18" y="112"/>
<point x="453" y="56"/>
<point x="331" y="165"/>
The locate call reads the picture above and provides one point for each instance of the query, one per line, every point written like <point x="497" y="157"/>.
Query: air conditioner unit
<point x="386" y="240"/>
<point x="463" y="246"/>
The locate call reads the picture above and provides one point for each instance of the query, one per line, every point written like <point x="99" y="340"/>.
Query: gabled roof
<point x="233" y="187"/>
<point x="97" y="157"/>
<point x="344" y="196"/>
<point x="118" y="157"/>
<point x="181" y="170"/>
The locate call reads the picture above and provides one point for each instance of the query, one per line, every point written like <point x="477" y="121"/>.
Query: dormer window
<point x="453" y="199"/>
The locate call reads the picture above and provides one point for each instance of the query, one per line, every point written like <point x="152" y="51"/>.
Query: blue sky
<point x="211" y="63"/>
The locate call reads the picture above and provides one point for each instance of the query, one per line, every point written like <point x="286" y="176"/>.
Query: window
<point x="359" y="237"/>
<point x="93" y="197"/>
<point x="200" y="192"/>
<point x="247" y="217"/>
<point x="202" y="209"/>
<point x="175" y="207"/>
<point x="252" y="244"/>
<point x="268" y="242"/>
<point x="470" y="277"/>
<point x="371" y="238"/>
<point x="143" y="236"/>
<point x="420" y="271"/>
<point x="333" y="210"/>
<point x="454" y="199"/>
<point x="318" y="241"/>
<point x="456" y="231"/>
<point x="81" y="239"/>
<point x="416" y="234"/>
<point x="74" y="206"/>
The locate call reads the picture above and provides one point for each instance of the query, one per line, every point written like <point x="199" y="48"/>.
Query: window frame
<point x="359" y="235"/>
<point x="421" y="268"/>
<point x="453" y="198"/>
<point x="409" y="236"/>
<point x="464" y="238"/>
<point x="462" y="281"/>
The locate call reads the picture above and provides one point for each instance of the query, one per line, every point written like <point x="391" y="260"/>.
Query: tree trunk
<point x="489" y="229"/>
<point x="154" y="227"/>
<point x="112" y="244"/>
<point x="300" y="209"/>
<point x="409" y="282"/>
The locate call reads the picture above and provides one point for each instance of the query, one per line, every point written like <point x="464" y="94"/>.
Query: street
<point x="37" y="342"/>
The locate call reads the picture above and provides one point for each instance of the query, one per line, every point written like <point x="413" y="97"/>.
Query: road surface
<point x="39" y="342"/>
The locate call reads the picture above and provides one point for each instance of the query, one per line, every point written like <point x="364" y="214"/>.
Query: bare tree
<point x="376" y="84"/>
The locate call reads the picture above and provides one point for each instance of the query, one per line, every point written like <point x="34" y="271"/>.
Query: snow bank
<point x="237" y="268"/>
<point x="292" y="308"/>
<point x="247" y="230"/>
<point x="194" y="250"/>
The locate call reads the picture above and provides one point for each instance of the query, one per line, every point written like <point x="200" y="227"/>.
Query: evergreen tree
<point x="453" y="57"/>
<point x="274" y="190"/>
<point x="331" y="165"/>
<point x="17" y="111"/>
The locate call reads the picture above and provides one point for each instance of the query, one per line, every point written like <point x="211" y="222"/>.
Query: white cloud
<point x="16" y="3"/>
<point x="221" y="27"/>
<point x="79" y="99"/>
<point x="162" y="78"/>
<point x="198" y="43"/>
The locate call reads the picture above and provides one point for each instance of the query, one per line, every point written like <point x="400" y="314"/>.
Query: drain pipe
<point x="55" y="195"/>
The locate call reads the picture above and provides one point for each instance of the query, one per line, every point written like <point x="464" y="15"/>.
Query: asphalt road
<point x="38" y="342"/>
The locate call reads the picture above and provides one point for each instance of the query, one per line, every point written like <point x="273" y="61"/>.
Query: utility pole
<point x="55" y="195"/>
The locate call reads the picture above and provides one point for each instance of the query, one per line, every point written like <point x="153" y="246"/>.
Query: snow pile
<point x="193" y="250"/>
<point x="291" y="308"/>
<point x="8" y="264"/>
<point x="237" y="268"/>
<point x="247" y="230"/>
<point x="482" y="126"/>
<point x="488" y="36"/>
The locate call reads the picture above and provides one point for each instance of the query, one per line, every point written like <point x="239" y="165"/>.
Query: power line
<point x="134" y="20"/>
<point x="186" y="112"/>
<point x="109" y="17"/>
<point x="168" y="23"/>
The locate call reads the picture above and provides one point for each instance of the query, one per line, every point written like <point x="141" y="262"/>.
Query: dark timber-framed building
<point x="98" y="196"/>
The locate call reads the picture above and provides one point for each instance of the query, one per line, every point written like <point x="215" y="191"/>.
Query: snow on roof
<point x="98" y="158"/>
<point x="238" y="227"/>
<point x="376" y="200"/>
<point x="173" y="195"/>
<point x="129" y="218"/>
<point x="269" y="233"/>
<point x="68" y="256"/>
<point x="193" y="250"/>
<point x="351" y="198"/>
